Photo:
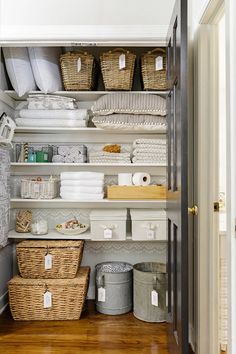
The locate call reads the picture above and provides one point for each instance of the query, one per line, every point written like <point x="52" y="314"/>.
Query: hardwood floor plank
<point x="94" y="333"/>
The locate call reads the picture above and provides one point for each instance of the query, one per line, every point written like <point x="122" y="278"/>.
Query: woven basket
<point x="115" y="78"/>
<point x="45" y="189"/>
<point x="154" y="79"/>
<point x="66" y="258"/>
<point x="78" y="71"/>
<point x="26" y="297"/>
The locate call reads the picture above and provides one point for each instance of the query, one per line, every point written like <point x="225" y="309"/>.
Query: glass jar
<point x="39" y="226"/>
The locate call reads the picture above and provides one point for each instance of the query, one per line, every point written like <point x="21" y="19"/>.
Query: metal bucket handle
<point x="101" y="281"/>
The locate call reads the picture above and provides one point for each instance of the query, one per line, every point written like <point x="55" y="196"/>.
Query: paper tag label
<point x="102" y="294"/>
<point x="79" y="65"/>
<point x="107" y="233"/>
<point x="48" y="261"/>
<point x="159" y="63"/>
<point x="154" y="298"/>
<point x="122" y="61"/>
<point x="36" y="187"/>
<point x="150" y="234"/>
<point x="47" y="300"/>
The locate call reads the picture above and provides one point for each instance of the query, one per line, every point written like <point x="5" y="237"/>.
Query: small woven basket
<point x="78" y="71"/>
<point x="154" y="79"/>
<point x="45" y="189"/>
<point x="26" y="297"/>
<point x="66" y="258"/>
<point x="114" y="77"/>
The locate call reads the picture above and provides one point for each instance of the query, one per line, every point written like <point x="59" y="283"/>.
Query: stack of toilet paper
<point x="82" y="185"/>
<point x="150" y="151"/>
<point x="137" y="179"/>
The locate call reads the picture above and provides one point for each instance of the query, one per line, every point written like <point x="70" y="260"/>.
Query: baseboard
<point x="3" y="302"/>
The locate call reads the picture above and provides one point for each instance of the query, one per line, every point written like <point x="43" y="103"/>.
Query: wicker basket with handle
<point x="65" y="259"/>
<point x="27" y="297"/>
<point x="118" y="71"/>
<point x="78" y="71"/>
<point x="154" y="77"/>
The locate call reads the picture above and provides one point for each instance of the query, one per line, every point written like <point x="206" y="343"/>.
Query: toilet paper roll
<point x="125" y="179"/>
<point x="141" y="179"/>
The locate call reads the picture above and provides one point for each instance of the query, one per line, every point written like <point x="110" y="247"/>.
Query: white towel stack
<point x="82" y="185"/>
<point x="109" y="157"/>
<point x="150" y="151"/>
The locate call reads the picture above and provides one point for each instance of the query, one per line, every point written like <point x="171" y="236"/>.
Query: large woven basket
<point x="115" y="78"/>
<point x="154" y="79"/>
<point x="78" y="71"/>
<point x="26" y="297"/>
<point x="66" y="258"/>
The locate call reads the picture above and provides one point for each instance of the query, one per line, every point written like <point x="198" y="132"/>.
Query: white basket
<point x="46" y="189"/>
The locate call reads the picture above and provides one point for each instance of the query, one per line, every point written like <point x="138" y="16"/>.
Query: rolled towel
<point x="81" y="196"/>
<point x="58" y="159"/>
<point x="81" y="189"/>
<point x="77" y="114"/>
<point x="82" y="176"/>
<point x="63" y="150"/>
<point x="82" y="183"/>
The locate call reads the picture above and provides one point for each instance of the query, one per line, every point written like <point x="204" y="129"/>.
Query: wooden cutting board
<point x="136" y="192"/>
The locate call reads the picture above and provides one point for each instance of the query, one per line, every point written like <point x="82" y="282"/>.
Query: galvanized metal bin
<point x="114" y="288"/>
<point x="150" y="285"/>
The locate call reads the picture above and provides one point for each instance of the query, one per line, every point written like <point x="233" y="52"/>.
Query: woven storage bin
<point x="154" y="79"/>
<point x="26" y="297"/>
<point x="45" y="189"/>
<point x="66" y="258"/>
<point x="78" y="71"/>
<point x="115" y="78"/>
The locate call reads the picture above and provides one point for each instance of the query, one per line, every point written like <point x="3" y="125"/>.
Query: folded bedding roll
<point x="60" y="123"/>
<point x="81" y="196"/>
<point x="77" y="114"/>
<point x="50" y="102"/>
<point x="82" y="176"/>
<point x="81" y="189"/>
<point x="82" y="182"/>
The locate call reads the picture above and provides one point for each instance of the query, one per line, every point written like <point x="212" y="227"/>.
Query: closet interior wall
<point x="95" y="251"/>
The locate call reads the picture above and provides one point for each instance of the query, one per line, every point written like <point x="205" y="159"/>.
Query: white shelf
<point x="104" y="203"/>
<point x="85" y="96"/>
<point x="52" y="235"/>
<point x="49" y="164"/>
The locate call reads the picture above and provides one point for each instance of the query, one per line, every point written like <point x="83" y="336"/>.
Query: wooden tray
<point x="136" y="192"/>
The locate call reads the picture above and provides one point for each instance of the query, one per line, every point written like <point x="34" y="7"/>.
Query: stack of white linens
<point x="150" y="151"/>
<point x="52" y="111"/>
<point x="82" y="185"/>
<point x="109" y="157"/>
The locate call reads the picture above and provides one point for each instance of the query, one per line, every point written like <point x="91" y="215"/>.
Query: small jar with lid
<point x="39" y="226"/>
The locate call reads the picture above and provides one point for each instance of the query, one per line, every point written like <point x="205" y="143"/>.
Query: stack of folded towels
<point x="82" y="185"/>
<point x="71" y="154"/>
<point x="150" y="151"/>
<point x="52" y="111"/>
<point x="110" y="154"/>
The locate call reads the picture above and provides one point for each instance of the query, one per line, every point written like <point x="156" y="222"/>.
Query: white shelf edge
<point x="80" y="95"/>
<point x="48" y="164"/>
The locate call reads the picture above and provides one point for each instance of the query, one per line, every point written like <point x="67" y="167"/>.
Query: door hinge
<point x="216" y="207"/>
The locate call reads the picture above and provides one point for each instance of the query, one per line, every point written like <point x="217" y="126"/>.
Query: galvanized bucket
<point x="150" y="285"/>
<point x="114" y="287"/>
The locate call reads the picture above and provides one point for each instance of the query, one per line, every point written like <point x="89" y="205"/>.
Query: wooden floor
<point x="94" y="334"/>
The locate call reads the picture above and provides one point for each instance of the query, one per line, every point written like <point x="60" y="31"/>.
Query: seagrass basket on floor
<point x="153" y="67"/>
<point x="78" y="71"/>
<point x="117" y="67"/>
<point x="48" y="299"/>
<point x="65" y="258"/>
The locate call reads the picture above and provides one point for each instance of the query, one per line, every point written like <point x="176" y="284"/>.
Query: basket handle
<point x="154" y="282"/>
<point x="101" y="281"/>
<point x="157" y="50"/>
<point x="119" y="50"/>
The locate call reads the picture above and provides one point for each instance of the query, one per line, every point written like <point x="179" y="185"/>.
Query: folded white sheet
<point x="60" y="123"/>
<point x="82" y="183"/>
<point x="81" y="196"/>
<point x="94" y="176"/>
<point x="79" y="114"/>
<point x="81" y="189"/>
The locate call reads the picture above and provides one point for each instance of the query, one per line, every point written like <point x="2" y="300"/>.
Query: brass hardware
<point x="216" y="207"/>
<point x="193" y="210"/>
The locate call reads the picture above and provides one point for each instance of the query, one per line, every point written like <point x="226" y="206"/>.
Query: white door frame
<point x="206" y="113"/>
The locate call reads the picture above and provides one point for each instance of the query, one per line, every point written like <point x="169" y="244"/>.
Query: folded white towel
<point x="157" y="150"/>
<point x="82" y="176"/>
<point x="78" y="114"/>
<point x="154" y="161"/>
<point x="144" y="142"/>
<point x="64" y="123"/>
<point x="82" y="196"/>
<point x="82" y="183"/>
<point x="81" y="189"/>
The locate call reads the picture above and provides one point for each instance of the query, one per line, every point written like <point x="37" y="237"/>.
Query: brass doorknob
<point x="193" y="210"/>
